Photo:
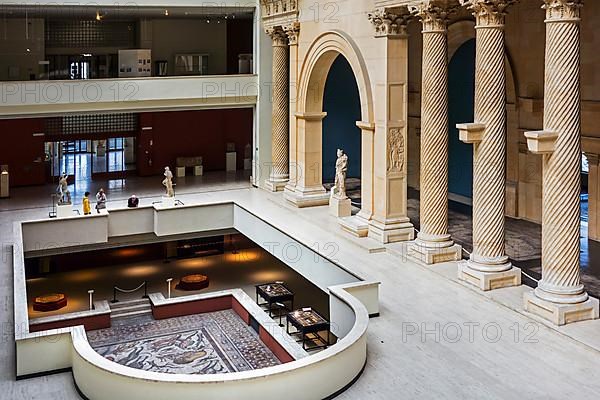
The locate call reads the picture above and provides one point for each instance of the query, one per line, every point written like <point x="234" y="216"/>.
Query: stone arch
<point x="309" y="116"/>
<point x="313" y="75"/>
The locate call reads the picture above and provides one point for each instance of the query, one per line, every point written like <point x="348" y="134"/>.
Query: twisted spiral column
<point x="280" y="119"/>
<point x="434" y="131"/>
<point x="489" y="163"/>
<point x="561" y="169"/>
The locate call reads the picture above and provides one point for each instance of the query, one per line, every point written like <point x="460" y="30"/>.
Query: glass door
<point x="113" y="157"/>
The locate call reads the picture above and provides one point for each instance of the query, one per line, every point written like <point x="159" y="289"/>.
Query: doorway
<point x="341" y="102"/>
<point x="87" y="159"/>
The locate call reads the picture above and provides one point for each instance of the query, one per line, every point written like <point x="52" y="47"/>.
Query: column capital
<point x="390" y="23"/>
<point x="433" y="16"/>
<point x="562" y="10"/>
<point x="278" y="36"/>
<point x="292" y="31"/>
<point x="488" y="13"/>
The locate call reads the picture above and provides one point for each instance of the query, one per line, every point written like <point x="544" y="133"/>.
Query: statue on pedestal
<point x="168" y="182"/>
<point x="341" y="169"/>
<point x="62" y="191"/>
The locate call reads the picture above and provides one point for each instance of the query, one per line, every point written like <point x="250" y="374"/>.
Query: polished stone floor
<point x="210" y="343"/>
<point x="523" y="238"/>
<point x="119" y="190"/>
<point x="525" y="360"/>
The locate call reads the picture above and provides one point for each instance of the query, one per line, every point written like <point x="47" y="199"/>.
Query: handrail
<point x="118" y="289"/>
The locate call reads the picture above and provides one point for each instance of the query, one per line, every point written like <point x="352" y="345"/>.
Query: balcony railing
<point x="57" y="97"/>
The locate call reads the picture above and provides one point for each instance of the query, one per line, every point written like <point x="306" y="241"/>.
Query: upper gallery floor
<point x="79" y="56"/>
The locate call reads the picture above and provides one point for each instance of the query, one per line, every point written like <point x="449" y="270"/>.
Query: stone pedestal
<point x="340" y="207"/>
<point x="4" y="186"/>
<point x="355" y="225"/>
<point x="168" y="201"/>
<point x="561" y="314"/>
<point x="231" y="161"/>
<point x="433" y="252"/>
<point x="307" y="197"/>
<point x="180" y="172"/>
<point x="397" y="231"/>
<point x="487" y="280"/>
<point x="198" y="170"/>
<point x="65" y="210"/>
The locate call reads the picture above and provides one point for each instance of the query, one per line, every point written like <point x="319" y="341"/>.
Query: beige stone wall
<point x="525" y="35"/>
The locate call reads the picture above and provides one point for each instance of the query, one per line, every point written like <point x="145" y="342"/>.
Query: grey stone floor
<point x="419" y="366"/>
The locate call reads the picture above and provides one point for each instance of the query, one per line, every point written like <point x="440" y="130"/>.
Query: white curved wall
<point x="314" y="377"/>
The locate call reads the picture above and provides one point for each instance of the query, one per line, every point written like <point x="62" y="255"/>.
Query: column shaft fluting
<point x="561" y="169"/>
<point x="489" y="155"/>
<point x="280" y="120"/>
<point x="434" y="132"/>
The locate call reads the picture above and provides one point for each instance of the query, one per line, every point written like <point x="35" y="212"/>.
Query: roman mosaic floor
<point x="211" y="343"/>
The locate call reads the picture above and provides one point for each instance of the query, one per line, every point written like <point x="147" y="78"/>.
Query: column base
<point x="435" y="252"/>
<point x="307" y="197"/>
<point x="391" y="232"/>
<point x="561" y="314"/>
<point x="340" y="208"/>
<point x="355" y="225"/>
<point x="489" y="280"/>
<point x="275" y="185"/>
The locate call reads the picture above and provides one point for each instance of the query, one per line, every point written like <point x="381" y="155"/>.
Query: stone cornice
<point x="488" y="13"/>
<point x="562" y="10"/>
<point x="433" y="14"/>
<point x="390" y="22"/>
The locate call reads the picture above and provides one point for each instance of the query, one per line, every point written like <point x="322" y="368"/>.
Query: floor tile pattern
<point x="211" y="343"/>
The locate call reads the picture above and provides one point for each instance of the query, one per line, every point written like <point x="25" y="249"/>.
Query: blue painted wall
<point x="341" y="102"/>
<point x="461" y="93"/>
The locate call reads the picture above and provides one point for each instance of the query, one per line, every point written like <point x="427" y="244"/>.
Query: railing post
<point x="114" y="300"/>
<point x="145" y="296"/>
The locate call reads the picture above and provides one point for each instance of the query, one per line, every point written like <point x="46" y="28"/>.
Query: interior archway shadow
<point x="341" y="102"/>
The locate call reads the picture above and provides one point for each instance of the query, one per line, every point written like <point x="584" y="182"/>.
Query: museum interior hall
<point x="300" y="200"/>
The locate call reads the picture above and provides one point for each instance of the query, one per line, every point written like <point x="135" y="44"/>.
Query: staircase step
<point x="130" y="314"/>
<point x="129" y="303"/>
<point x="141" y="307"/>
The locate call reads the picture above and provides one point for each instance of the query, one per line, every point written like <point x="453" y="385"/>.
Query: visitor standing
<point x="87" y="209"/>
<point x="100" y="200"/>
<point x="133" y="201"/>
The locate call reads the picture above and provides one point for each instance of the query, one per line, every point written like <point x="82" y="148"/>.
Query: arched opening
<point x="341" y="102"/>
<point x="307" y="149"/>
<point x="461" y="102"/>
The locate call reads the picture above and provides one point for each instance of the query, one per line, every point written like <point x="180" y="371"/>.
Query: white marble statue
<point x="341" y="168"/>
<point x="168" y="182"/>
<point x="64" y="196"/>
